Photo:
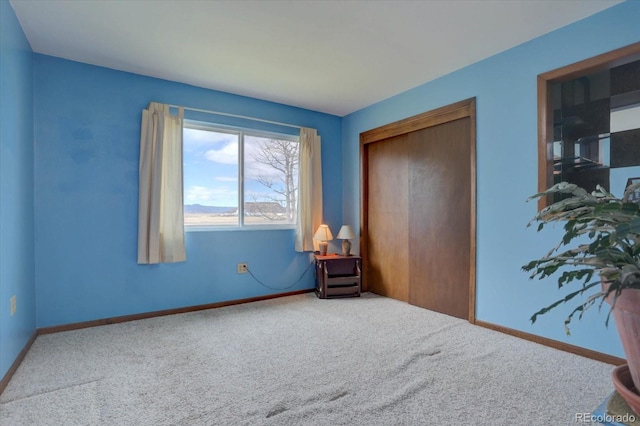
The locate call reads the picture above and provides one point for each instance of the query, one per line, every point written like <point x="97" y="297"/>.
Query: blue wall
<point x="87" y="136"/>
<point x="16" y="189"/>
<point x="505" y="88"/>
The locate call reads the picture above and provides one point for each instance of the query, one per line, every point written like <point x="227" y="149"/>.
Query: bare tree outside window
<point x="274" y="166"/>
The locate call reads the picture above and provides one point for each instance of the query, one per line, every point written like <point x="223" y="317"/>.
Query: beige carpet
<point x="300" y="361"/>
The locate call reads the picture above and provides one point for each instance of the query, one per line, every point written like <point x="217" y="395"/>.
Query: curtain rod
<point x="236" y="116"/>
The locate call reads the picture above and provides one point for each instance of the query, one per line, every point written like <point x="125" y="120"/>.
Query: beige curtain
<point x="160" y="202"/>
<point x="309" y="190"/>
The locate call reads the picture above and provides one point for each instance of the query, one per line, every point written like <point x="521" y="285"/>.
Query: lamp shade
<point x="346" y="233"/>
<point x="323" y="233"/>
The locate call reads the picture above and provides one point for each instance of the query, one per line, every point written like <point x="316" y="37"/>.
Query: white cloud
<point x="198" y="195"/>
<point x="227" y="154"/>
<point x="210" y="196"/>
<point x="194" y="137"/>
<point x="226" y="179"/>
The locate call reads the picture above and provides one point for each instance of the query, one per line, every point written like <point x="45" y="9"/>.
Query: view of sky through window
<point x="215" y="173"/>
<point x="211" y="168"/>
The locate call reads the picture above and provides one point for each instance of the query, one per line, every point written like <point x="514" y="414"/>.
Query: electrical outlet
<point x="242" y="268"/>
<point x="13" y="304"/>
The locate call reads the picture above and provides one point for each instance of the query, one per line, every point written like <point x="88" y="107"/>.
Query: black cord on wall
<point x="281" y="288"/>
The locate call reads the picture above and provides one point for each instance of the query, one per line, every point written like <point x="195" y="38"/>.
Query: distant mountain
<point x="199" y="208"/>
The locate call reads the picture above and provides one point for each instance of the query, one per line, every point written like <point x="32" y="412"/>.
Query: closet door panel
<point x="439" y="190"/>
<point x="388" y="246"/>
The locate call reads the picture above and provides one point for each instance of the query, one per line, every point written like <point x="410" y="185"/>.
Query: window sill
<point x="193" y="228"/>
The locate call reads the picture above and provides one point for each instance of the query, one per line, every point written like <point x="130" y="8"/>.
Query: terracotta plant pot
<point x="624" y="386"/>
<point x="626" y="314"/>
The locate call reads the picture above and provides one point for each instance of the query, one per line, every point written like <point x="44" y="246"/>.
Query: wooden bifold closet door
<point x="419" y="214"/>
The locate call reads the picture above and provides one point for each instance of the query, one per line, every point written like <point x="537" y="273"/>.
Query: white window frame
<point x="241" y="132"/>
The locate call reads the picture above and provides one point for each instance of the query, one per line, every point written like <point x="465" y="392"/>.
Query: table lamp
<point x="323" y="234"/>
<point x="346" y="234"/>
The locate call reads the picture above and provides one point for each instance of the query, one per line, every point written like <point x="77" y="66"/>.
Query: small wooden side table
<point x="338" y="276"/>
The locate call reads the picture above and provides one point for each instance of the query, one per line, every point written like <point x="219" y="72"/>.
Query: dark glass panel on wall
<point x="584" y="147"/>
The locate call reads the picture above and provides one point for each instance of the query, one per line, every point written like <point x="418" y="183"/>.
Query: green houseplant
<point x="600" y="252"/>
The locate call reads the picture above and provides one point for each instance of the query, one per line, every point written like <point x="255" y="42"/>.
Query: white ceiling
<point x="329" y="56"/>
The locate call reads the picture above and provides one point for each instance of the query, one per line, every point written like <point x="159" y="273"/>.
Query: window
<point x="588" y="124"/>
<point x="239" y="177"/>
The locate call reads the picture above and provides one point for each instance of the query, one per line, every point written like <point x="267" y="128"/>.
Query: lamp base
<point x="346" y="248"/>
<point x="323" y="246"/>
